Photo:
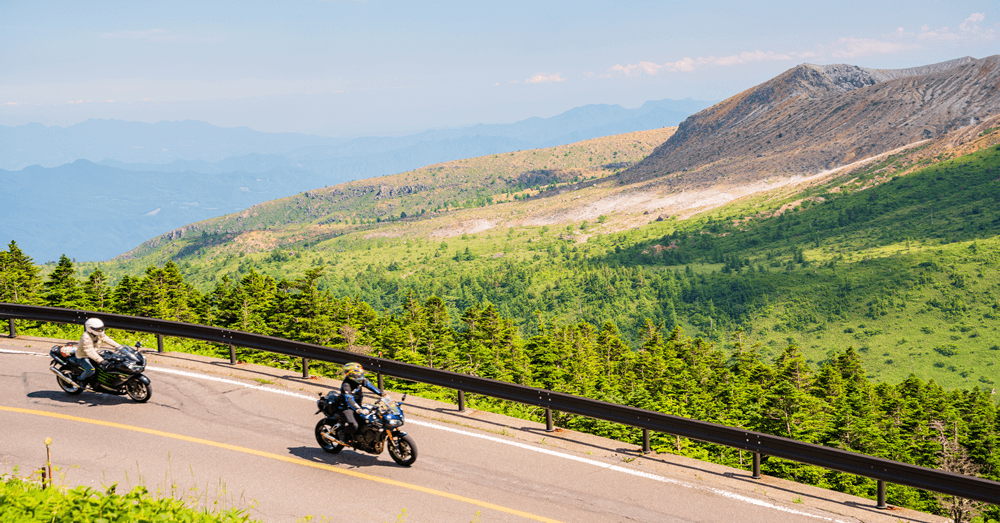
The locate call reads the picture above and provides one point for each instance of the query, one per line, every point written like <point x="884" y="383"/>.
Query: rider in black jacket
<point x="351" y="397"/>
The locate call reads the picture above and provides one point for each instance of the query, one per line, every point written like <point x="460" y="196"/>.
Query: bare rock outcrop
<point x="813" y="118"/>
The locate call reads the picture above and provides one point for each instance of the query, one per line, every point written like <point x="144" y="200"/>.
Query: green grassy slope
<point x="901" y="268"/>
<point x="907" y="271"/>
<point x="427" y="192"/>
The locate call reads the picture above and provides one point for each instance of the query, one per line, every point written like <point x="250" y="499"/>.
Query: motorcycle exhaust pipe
<point x="64" y="377"/>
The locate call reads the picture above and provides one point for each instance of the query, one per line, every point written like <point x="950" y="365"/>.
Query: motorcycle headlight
<point x="135" y="367"/>
<point x="395" y="422"/>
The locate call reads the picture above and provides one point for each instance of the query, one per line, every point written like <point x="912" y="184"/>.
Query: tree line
<point x="833" y="405"/>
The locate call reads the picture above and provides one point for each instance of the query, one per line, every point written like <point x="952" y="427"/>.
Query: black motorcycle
<point x="371" y="437"/>
<point x="121" y="373"/>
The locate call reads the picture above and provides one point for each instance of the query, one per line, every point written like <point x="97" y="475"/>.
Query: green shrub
<point x="25" y="502"/>
<point x="946" y="350"/>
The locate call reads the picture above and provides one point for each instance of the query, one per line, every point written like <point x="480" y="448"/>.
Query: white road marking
<point x="5" y="351"/>
<point x="550" y="452"/>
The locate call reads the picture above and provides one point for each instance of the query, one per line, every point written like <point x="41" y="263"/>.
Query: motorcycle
<point x="371" y="437"/>
<point x="121" y="374"/>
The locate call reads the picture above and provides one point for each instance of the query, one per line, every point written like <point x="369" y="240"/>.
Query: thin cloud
<point x="690" y="64"/>
<point x="162" y="35"/>
<point x="857" y="47"/>
<point x="970" y="30"/>
<point x="12" y="104"/>
<point x="149" y="34"/>
<point x="545" y="78"/>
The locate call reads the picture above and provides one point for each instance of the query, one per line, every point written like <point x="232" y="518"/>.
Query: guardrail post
<point x="880" y="503"/>
<point x="378" y="378"/>
<point x="756" y="465"/>
<point x="232" y="355"/>
<point x="548" y="420"/>
<point x="461" y="401"/>
<point x="159" y="343"/>
<point x="12" y="329"/>
<point x="646" y="449"/>
<point x="305" y="368"/>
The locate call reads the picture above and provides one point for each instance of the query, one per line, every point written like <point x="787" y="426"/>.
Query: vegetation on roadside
<point x="25" y="501"/>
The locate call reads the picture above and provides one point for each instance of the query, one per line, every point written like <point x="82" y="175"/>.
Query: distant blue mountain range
<point x="202" y="147"/>
<point x="92" y="190"/>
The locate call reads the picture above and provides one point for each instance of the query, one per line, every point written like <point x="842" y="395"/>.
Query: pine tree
<point x="19" y="280"/>
<point x="63" y="289"/>
<point x="97" y="291"/>
<point x="246" y="305"/>
<point x="125" y="299"/>
<point x="789" y="410"/>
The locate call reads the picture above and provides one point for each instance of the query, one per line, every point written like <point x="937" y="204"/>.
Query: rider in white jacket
<point x="93" y="335"/>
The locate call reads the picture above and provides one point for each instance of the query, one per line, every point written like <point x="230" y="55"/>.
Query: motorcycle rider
<point x="86" y="351"/>
<point x="351" y="397"/>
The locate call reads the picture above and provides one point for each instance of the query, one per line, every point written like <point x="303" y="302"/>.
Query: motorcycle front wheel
<point x="323" y="429"/>
<point x="403" y="450"/>
<point x="138" y="391"/>
<point x="68" y="388"/>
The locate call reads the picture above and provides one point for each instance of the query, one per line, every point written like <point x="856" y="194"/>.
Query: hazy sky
<point x="349" y="68"/>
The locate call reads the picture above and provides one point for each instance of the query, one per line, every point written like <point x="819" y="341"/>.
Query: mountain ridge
<point x="804" y="122"/>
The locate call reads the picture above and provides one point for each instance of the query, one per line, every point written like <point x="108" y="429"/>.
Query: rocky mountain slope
<point x="814" y="118"/>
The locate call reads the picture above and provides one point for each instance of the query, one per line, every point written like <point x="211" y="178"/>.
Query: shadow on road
<point x="347" y="456"/>
<point x="86" y="398"/>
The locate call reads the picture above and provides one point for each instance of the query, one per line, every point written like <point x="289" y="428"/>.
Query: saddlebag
<point x="328" y="403"/>
<point x="63" y="353"/>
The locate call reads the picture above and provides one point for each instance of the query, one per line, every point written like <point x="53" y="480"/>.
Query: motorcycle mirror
<point x="404" y="398"/>
<point x="138" y="344"/>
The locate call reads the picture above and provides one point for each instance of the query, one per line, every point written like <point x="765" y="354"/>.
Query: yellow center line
<point x="295" y="461"/>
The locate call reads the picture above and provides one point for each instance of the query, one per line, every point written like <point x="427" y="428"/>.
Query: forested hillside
<point x="832" y="403"/>
<point x="858" y="261"/>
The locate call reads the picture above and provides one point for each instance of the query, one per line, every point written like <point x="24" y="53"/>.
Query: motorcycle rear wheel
<point x="68" y="388"/>
<point x="138" y="391"/>
<point x="323" y="428"/>
<point x="403" y="450"/>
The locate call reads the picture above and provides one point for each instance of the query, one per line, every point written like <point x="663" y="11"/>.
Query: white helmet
<point x="93" y="326"/>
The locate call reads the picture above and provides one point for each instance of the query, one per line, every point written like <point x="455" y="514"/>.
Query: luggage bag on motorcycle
<point x="328" y="403"/>
<point x="63" y="353"/>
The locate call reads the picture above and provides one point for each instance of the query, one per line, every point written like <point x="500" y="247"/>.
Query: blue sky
<point x="351" y="68"/>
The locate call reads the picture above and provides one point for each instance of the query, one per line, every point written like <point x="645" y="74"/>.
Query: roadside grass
<point x="24" y="500"/>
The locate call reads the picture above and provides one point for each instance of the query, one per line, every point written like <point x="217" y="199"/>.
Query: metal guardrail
<point x="882" y="470"/>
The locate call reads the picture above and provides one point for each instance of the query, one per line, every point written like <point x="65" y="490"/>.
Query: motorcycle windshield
<point x="131" y="359"/>
<point x="391" y="408"/>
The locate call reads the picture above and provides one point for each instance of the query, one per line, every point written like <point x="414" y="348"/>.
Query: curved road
<point x="219" y="439"/>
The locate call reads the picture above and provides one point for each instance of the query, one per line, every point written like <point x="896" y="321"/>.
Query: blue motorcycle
<point x="372" y="437"/>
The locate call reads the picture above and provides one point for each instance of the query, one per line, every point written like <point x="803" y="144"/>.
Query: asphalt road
<point x="223" y="441"/>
